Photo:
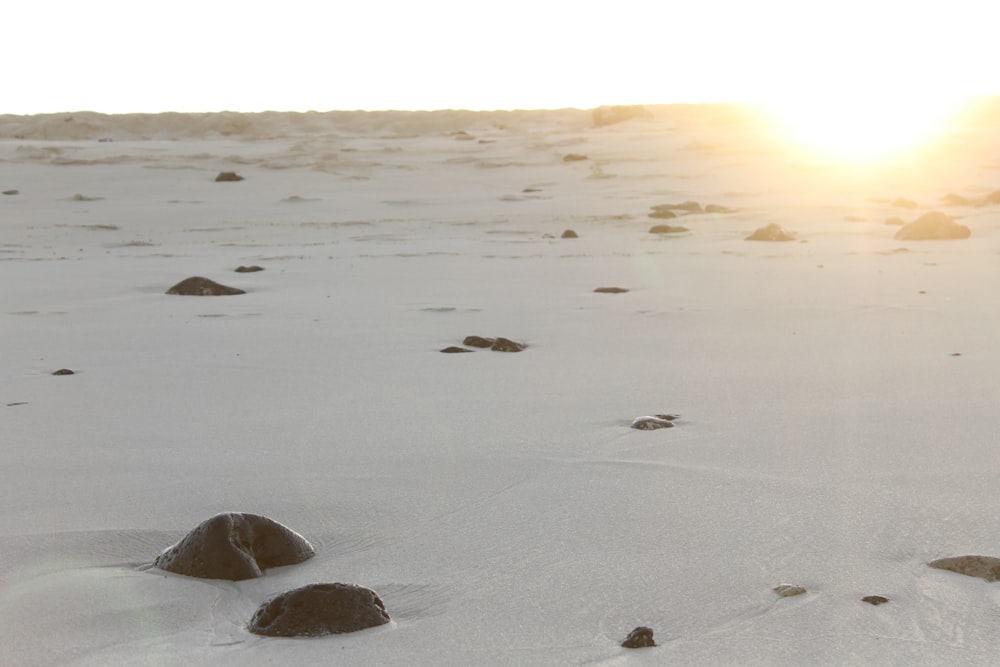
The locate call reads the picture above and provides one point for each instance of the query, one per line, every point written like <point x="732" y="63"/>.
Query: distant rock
<point x="12" y="192"/>
<point x="667" y="229"/>
<point x="80" y="197"/>
<point x="990" y="199"/>
<point x="611" y="290"/>
<point x="716" y="208"/>
<point x="771" y="232"/>
<point x="686" y="206"/>
<point x="462" y="135"/>
<point x="64" y="371"/>
<point x="235" y="546"/>
<point x="875" y="599"/>
<point x="653" y="422"/>
<point x="478" y="341"/>
<point x="249" y="269"/>
<point x="665" y="214"/>
<point x="198" y="286"/>
<point x="641" y="637"/>
<point x="319" y="609"/>
<point x="895" y="221"/>
<point x="933" y="226"/>
<point x="569" y="234"/>
<point x="984" y="567"/>
<point x="228" y="177"/>
<point x="787" y="591"/>
<point x="506" y="345"/>
<point x="901" y="202"/>
<point x="574" y="157"/>
<point x="453" y="349"/>
<point x="609" y="115"/>
<point x="951" y="199"/>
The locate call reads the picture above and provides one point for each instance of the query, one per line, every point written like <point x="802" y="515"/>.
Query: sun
<point x="858" y="127"/>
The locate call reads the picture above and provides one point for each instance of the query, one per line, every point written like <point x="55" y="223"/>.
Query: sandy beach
<point x="834" y="394"/>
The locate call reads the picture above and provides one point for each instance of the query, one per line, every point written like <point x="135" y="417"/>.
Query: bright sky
<point x="812" y="61"/>
<point x="186" y="55"/>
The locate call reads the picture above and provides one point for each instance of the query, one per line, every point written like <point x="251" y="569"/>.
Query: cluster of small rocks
<point x="499" y="344"/>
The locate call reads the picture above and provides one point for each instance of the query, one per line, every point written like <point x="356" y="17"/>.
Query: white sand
<point x="498" y="503"/>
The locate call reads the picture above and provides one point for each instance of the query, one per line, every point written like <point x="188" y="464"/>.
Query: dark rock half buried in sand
<point x="235" y="546"/>
<point x="933" y="226"/>
<point x="319" y="609"/>
<point x="454" y="349"/>
<point x="198" y="286"/>
<point x="641" y="637"/>
<point x="228" y="177"/>
<point x="771" y="232"/>
<point x="478" y="341"/>
<point x="653" y="422"/>
<point x="249" y="269"/>
<point x="668" y="229"/>
<point x="569" y="234"/>
<point x="984" y="567"/>
<point x="610" y="290"/>
<point x="506" y="345"/>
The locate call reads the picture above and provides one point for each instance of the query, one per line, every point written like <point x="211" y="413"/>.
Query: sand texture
<point x="832" y="398"/>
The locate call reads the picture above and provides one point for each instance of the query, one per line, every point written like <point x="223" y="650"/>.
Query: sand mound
<point x="235" y="546"/>
<point x="319" y="609"/>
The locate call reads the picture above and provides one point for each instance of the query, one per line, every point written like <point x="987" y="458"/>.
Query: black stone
<point x="506" y="345"/>
<point x="12" y="192"/>
<point x="249" y="269"/>
<point x="64" y="371"/>
<point x="228" y="176"/>
<point x="235" y="546"/>
<point x="875" y="599"/>
<point x="452" y="349"/>
<point x="641" y="637"/>
<point x="478" y="341"/>
<point x="319" y="609"/>
<point x="197" y="286"/>
<point x="611" y="290"/>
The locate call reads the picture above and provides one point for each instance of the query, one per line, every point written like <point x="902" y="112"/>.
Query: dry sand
<point x="836" y="393"/>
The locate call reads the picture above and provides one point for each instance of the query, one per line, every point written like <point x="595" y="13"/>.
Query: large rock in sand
<point x="319" y="609"/>
<point x="198" y="286"/>
<point x="235" y="546"/>
<point x="933" y="226"/>
<point x="984" y="567"/>
<point x="771" y="232"/>
<point x="641" y="637"/>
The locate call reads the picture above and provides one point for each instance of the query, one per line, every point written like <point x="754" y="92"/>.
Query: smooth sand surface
<point x="837" y="394"/>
